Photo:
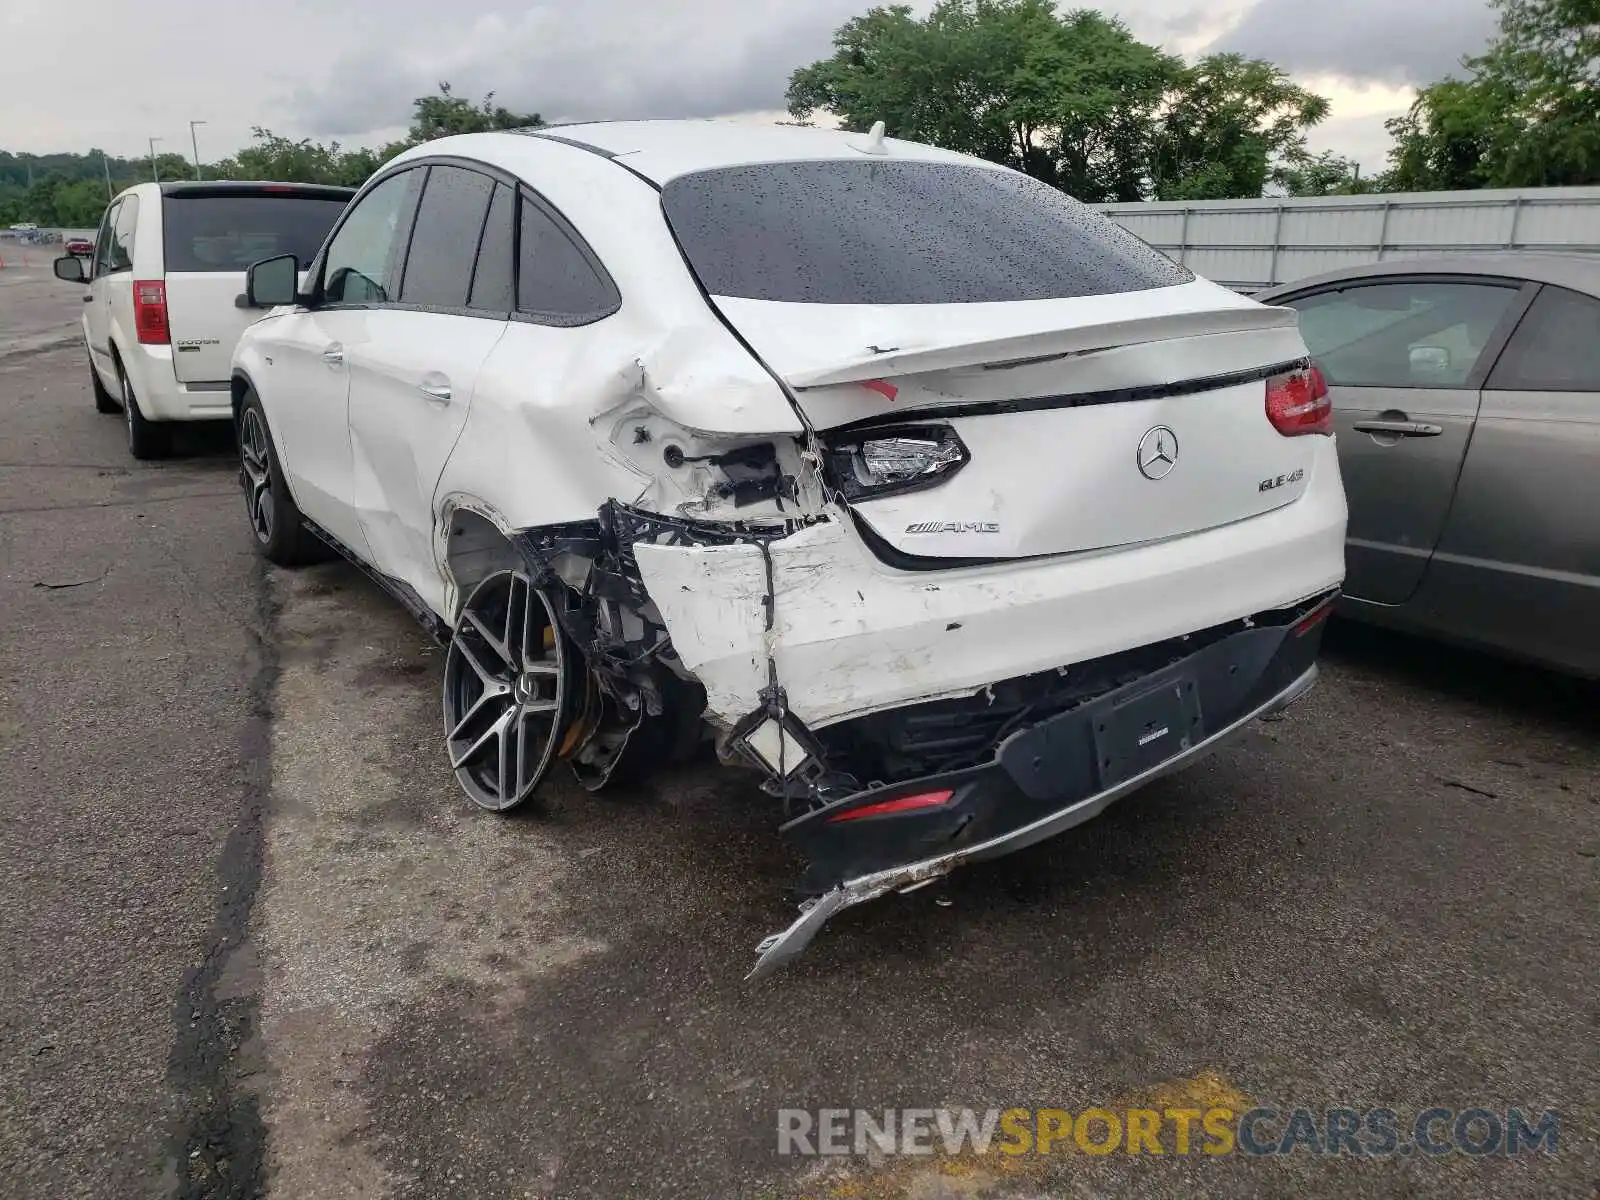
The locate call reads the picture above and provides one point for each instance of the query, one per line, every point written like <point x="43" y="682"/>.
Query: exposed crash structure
<point x="951" y="551"/>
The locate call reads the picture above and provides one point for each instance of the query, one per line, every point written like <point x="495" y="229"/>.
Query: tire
<point x="146" y="439"/>
<point x="278" y="529"/>
<point x="104" y="401"/>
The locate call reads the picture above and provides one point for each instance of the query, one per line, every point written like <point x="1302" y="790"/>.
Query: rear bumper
<point x="1051" y="776"/>
<point x="850" y="636"/>
<point x="163" y="398"/>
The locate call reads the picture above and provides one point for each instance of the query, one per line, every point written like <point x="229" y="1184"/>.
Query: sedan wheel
<point x="255" y="457"/>
<point x="511" y="683"/>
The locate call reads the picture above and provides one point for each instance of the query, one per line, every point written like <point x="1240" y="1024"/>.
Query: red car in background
<point x="79" y="245"/>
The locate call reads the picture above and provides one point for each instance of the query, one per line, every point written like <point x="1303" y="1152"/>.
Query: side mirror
<point x="69" y="268"/>
<point x="272" y="281"/>
<point x="1429" y="362"/>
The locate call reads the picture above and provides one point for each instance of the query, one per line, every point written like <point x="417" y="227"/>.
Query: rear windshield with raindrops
<point x="855" y="232"/>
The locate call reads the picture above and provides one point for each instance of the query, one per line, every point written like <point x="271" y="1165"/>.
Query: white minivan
<point x="165" y="301"/>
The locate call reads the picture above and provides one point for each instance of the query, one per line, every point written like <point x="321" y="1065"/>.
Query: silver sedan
<point x="1466" y="394"/>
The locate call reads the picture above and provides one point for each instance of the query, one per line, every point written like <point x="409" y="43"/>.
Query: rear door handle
<point x="1401" y="428"/>
<point x="435" y="387"/>
<point x="333" y="355"/>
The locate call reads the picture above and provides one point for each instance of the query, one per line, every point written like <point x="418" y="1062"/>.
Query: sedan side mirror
<point x="272" y="281"/>
<point x="69" y="267"/>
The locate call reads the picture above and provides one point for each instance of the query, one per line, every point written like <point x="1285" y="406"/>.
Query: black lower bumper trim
<point x="1090" y="749"/>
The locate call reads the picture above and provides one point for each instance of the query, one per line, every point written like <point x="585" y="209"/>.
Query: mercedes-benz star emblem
<point x="1158" y="452"/>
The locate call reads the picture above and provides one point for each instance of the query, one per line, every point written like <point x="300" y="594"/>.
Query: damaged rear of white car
<point x="949" y="508"/>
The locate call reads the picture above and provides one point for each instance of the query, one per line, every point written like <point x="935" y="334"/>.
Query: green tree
<point x="1228" y="122"/>
<point x="70" y="189"/>
<point x="1445" y="141"/>
<point x="1097" y="90"/>
<point x="1527" y="115"/>
<point x="1326" y="174"/>
<point x="948" y="79"/>
<point x="1069" y="99"/>
<point x="1072" y="99"/>
<point x="446" y="113"/>
<point x="271" y="156"/>
<point x="1546" y="63"/>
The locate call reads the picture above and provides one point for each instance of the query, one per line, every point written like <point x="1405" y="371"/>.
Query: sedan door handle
<point x="334" y="355"/>
<point x="1400" y="428"/>
<point x="435" y="387"/>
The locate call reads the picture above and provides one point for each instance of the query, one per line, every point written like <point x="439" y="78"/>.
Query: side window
<point x="362" y="263"/>
<point x="122" y="234"/>
<point x="1556" y="347"/>
<point x="102" y="243"/>
<point x="445" y="242"/>
<point x="1408" y="333"/>
<point x="491" y="279"/>
<point x="556" y="284"/>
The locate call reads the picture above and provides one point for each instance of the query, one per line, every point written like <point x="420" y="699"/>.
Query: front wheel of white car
<point x="512" y="684"/>
<point x="275" y="521"/>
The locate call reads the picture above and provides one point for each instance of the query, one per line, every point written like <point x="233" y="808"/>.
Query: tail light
<point x="885" y="461"/>
<point x="150" y="312"/>
<point x="1298" y="402"/>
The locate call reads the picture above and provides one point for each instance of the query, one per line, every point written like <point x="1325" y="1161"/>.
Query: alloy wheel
<point x="508" y="688"/>
<point x="255" y="458"/>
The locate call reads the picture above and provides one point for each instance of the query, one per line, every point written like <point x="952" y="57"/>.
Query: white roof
<point x="663" y="150"/>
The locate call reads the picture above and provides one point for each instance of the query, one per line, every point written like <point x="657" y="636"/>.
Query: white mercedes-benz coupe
<point x="950" y="508"/>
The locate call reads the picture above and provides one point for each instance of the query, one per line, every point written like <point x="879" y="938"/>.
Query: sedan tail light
<point x="150" y="312"/>
<point x="882" y="462"/>
<point x="1298" y="402"/>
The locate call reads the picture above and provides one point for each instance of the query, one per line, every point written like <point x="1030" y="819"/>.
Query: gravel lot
<point x="256" y="943"/>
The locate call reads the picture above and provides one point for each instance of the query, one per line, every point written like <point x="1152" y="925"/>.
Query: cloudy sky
<point x="111" y="73"/>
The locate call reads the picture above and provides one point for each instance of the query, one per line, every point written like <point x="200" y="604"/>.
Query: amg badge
<point x="953" y="527"/>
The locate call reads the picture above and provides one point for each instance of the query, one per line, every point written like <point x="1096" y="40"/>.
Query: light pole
<point x="155" y="171"/>
<point x="195" y="146"/>
<point x="106" y="163"/>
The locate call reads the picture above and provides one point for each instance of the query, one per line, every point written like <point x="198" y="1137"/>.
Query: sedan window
<point x="444" y="247"/>
<point x="1409" y="333"/>
<point x="491" y="279"/>
<point x="1556" y="348"/>
<point x="858" y="232"/>
<point x="363" y="258"/>
<point x="557" y="284"/>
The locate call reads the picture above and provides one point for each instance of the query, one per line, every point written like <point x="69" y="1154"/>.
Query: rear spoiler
<point x="212" y="188"/>
<point x="1017" y="349"/>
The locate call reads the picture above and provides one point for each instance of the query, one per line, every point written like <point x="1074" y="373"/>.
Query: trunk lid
<point x="211" y="233"/>
<point x="1089" y="422"/>
<point x="905" y="286"/>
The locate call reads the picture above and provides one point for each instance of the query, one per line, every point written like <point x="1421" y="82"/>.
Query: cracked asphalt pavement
<point x="256" y="943"/>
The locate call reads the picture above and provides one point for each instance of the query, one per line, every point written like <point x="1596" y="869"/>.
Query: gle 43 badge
<point x="1266" y="485"/>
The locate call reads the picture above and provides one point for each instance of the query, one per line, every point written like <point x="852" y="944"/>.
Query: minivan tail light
<point x="1298" y="402"/>
<point x="150" y="312"/>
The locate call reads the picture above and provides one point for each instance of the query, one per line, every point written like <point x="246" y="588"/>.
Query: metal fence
<point x="1252" y="244"/>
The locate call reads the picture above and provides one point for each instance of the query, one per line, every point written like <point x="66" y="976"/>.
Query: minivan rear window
<point x="848" y="232"/>
<point x="229" y="232"/>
